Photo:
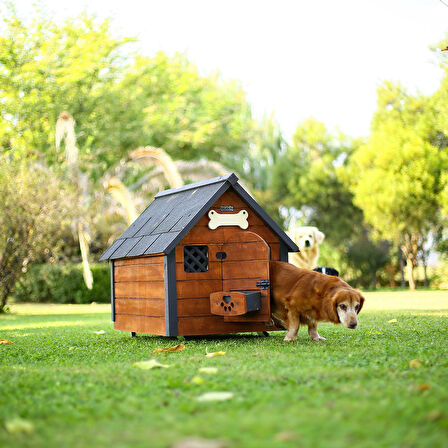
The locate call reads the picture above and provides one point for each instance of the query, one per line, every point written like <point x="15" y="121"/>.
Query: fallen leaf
<point x="423" y="386"/>
<point x="150" y="364"/>
<point x="176" y="348"/>
<point x="213" y="354"/>
<point x="392" y="321"/>
<point x="208" y="370"/>
<point x="434" y="415"/>
<point x="415" y="364"/>
<point x="17" y="425"/>
<point x="199" y="443"/>
<point x="5" y="341"/>
<point x="285" y="436"/>
<point x="197" y="380"/>
<point x="215" y="396"/>
<point x="99" y="332"/>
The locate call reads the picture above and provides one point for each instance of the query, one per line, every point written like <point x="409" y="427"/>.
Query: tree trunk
<point x="425" y="271"/>
<point x="410" y="272"/>
<point x="410" y="251"/>
<point x="403" y="281"/>
<point x="424" y="254"/>
<point x="373" y="285"/>
<point x="5" y="289"/>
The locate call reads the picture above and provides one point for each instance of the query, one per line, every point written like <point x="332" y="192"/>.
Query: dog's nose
<point x="307" y="243"/>
<point x="353" y="324"/>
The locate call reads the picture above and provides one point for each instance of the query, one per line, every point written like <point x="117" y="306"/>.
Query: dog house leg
<point x="263" y="333"/>
<point x="133" y="334"/>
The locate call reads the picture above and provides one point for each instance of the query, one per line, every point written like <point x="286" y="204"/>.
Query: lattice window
<point x="196" y="258"/>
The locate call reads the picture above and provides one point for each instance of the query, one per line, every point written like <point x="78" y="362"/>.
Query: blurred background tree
<point x="145" y="123"/>
<point x="36" y="212"/>
<point x="398" y="173"/>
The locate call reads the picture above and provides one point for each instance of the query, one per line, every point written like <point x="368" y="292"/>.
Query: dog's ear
<point x="332" y="308"/>
<point x="318" y="236"/>
<point x="361" y="303"/>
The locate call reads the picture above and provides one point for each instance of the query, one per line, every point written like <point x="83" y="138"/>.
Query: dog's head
<point x="347" y="303"/>
<point x="307" y="237"/>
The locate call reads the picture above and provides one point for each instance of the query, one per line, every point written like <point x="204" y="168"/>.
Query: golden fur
<point x="307" y="240"/>
<point x="300" y="296"/>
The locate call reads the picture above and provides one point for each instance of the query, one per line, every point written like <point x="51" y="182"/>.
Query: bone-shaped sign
<point x="228" y="219"/>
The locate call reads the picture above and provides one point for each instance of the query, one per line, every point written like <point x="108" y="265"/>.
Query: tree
<point x="307" y="178"/>
<point x="397" y="173"/>
<point x="36" y="211"/>
<point x="120" y="100"/>
<point x="188" y="115"/>
<point x="46" y="69"/>
<point x="258" y="165"/>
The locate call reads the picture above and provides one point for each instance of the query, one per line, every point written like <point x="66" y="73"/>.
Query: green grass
<point x="80" y="389"/>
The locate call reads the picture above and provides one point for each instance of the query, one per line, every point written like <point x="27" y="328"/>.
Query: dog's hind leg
<point x="293" y="327"/>
<point x="312" y="331"/>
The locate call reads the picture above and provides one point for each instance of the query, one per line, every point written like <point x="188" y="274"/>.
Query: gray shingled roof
<point x="174" y="212"/>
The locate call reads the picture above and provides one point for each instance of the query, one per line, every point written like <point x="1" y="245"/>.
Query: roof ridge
<point x="231" y="177"/>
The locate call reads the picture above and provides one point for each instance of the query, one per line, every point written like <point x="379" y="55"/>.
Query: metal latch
<point x="264" y="284"/>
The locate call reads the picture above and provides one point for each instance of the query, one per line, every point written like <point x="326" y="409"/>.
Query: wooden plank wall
<point x="193" y="289"/>
<point x="140" y="294"/>
<point x="246" y="264"/>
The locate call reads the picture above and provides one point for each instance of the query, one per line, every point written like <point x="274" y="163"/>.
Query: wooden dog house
<point x="196" y="262"/>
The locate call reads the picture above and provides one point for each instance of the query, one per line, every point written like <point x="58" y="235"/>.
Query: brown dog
<point x="300" y="296"/>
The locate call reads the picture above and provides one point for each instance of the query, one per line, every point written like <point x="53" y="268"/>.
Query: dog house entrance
<point x="245" y="294"/>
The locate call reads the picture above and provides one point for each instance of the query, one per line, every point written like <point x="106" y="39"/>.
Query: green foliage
<point x="259" y="164"/>
<point x="63" y="283"/>
<point x="398" y="180"/>
<point x="307" y="179"/>
<point x="119" y="101"/>
<point x="188" y="115"/>
<point x="46" y="69"/>
<point x="35" y="214"/>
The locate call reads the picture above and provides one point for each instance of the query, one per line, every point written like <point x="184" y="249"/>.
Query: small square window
<point x="196" y="258"/>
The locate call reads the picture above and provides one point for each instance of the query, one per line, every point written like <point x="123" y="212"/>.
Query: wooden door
<point x="245" y="267"/>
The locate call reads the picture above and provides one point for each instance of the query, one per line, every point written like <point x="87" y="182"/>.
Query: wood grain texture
<point x="141" y="307"/>
<point x="213" y="273"/>
<point x="140" y="324"/>
<point x="190" y="289"/>
<point x="244" y="273"/>
<point x="146" y="259"/>
<point x="212" y="250"/>
<point x="139" y="273"/>
<point x="245" y="269"/>
<point x="202" y="325"/>
<point x="193" y="307"/>
<point x="275" y="251"/>
<point x="140" y="290"/>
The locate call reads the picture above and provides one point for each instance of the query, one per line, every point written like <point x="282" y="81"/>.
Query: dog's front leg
<point x="312" y="331"/>
<point x="293" y="326"/>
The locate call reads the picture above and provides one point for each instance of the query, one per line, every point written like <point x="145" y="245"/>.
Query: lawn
<point x="80" y="389"/>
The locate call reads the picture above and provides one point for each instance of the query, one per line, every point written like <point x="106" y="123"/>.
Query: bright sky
<point x="302" y="58"/>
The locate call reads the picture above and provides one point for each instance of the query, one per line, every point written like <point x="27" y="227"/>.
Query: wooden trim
<point x="170" y="294"/>
<point x="283" y="252"/>
<point x="112" y="290"/>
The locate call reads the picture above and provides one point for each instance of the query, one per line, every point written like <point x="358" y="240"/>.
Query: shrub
<point x="63" y="283"/>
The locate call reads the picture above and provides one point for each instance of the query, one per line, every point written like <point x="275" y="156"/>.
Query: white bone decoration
<point x="228" y="219"/>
